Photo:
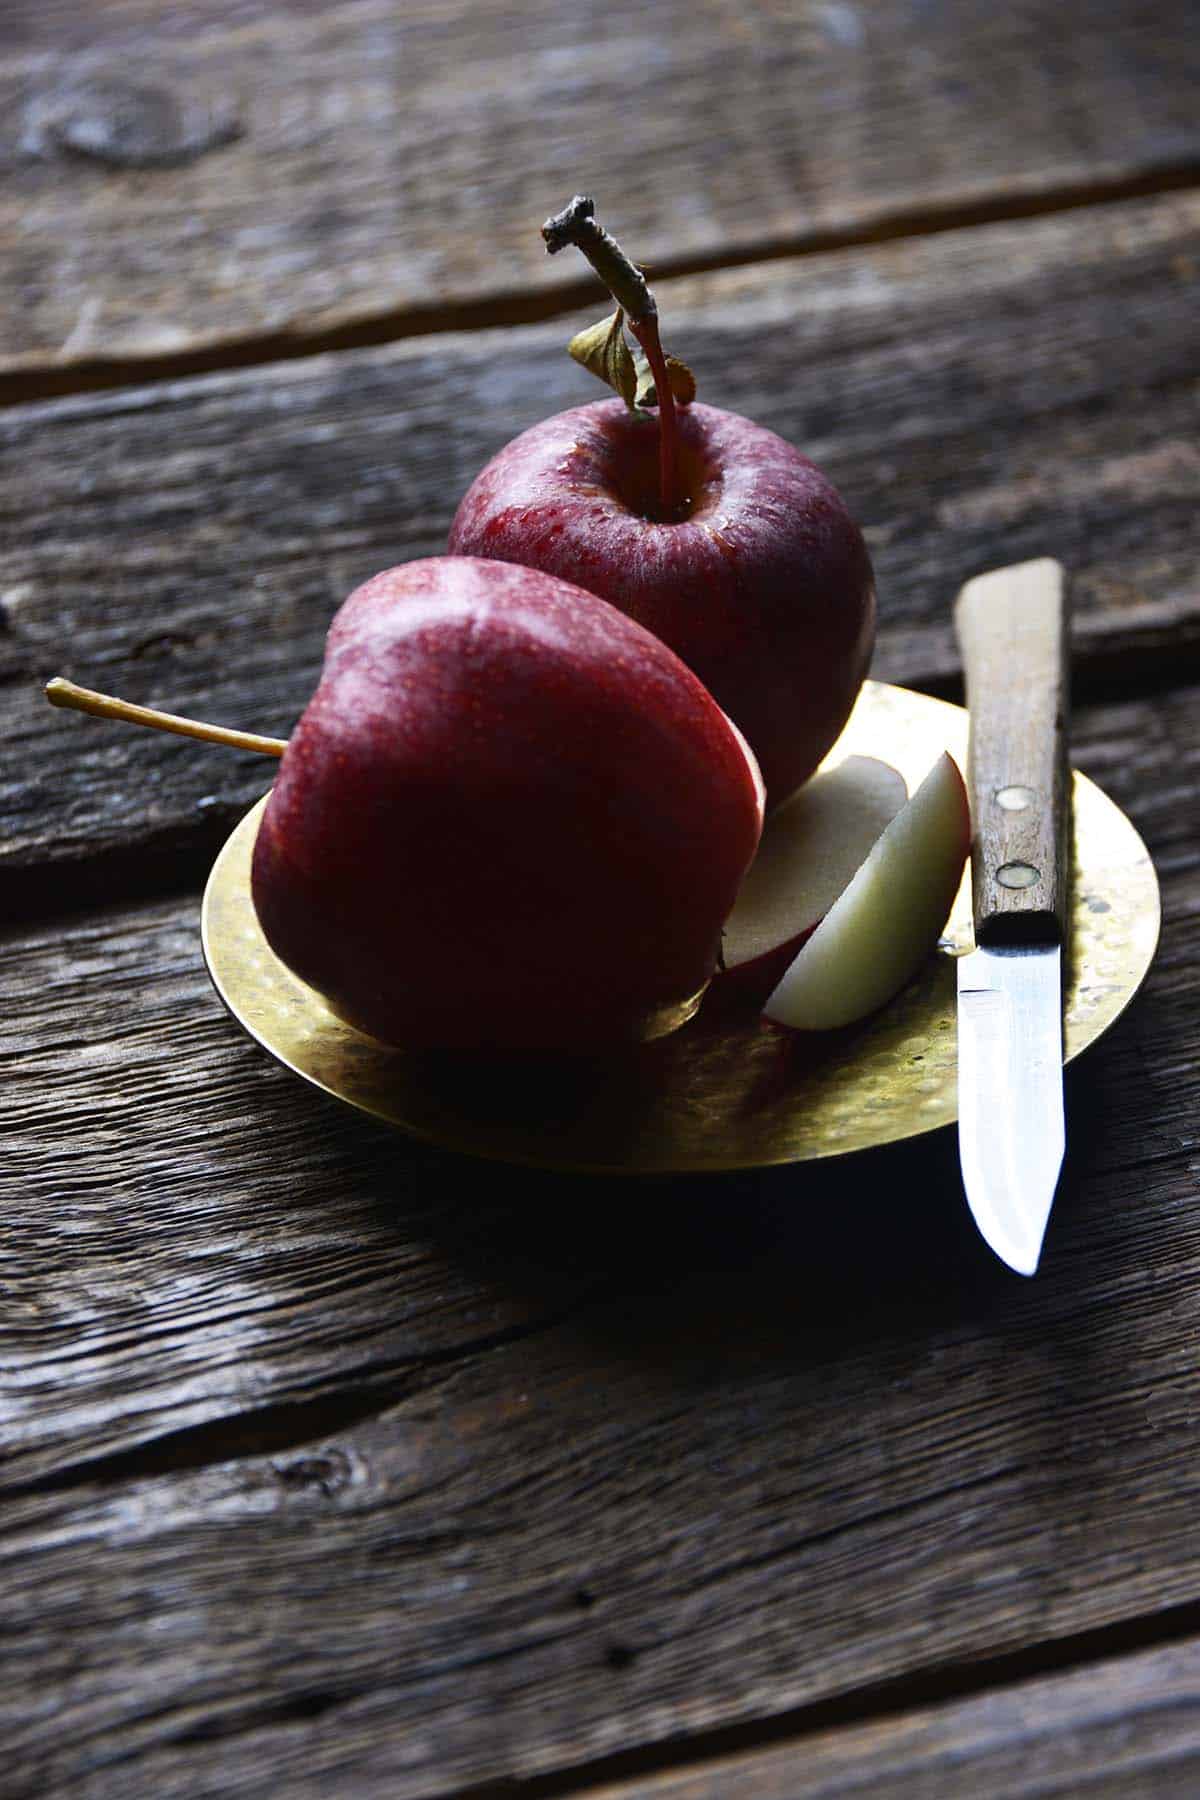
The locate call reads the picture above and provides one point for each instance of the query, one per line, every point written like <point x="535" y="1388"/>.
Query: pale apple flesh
<point x="810" y="849"/>
<point x="877" y="934"/>
<point x="762" y="584"/>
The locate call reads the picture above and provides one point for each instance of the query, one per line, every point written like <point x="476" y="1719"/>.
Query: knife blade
<point x="1012" y="631"/>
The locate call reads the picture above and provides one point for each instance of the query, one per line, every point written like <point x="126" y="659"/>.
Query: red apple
<point x="810" y="849"/>
<point x="877" y="934"/>
<point x="509" y="817"/>
<point x="759" y="580"/>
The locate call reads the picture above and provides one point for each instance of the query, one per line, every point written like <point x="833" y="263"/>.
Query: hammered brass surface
<point x="714" y="1095"/>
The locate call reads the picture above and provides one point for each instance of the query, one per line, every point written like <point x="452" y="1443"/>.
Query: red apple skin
<point x="765" y="588"/>
<point x="738" y="993"/>
<point x="508" y="818"/>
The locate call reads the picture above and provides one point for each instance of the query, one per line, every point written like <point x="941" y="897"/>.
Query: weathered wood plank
<point x="627" y="1465"/>
<point x="980" y="397"/>
<point x="327" y="1256"/>
<point x="1124" y="1728"/>
<point x="201" y="178"/>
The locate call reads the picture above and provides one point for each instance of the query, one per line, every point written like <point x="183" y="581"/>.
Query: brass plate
<point x="715" y="1095"/>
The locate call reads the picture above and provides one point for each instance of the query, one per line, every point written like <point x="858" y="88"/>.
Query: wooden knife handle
<point x="1012" y="630"/>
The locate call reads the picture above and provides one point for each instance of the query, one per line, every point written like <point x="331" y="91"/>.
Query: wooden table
<point x="334" y="1465"/>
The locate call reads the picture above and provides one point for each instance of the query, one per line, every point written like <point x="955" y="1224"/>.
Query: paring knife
<point x="1012" y="631"/>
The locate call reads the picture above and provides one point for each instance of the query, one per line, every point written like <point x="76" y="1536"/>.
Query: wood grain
<point x="186" y="544"/>
<point x="334" y="1465"/>
<point x="618" y="1466"/>
<point x="1014" y="633"/>
<point x="1121" y="1728"/>
<point x="251" y="1249"/>
<point x="236" y="178"/>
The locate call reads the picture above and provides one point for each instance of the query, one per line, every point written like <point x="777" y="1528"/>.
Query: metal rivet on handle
<point x="1015" y="799"/>
<point x="1018" y="875"/>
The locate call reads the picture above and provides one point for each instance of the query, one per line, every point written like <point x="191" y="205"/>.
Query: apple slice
<point x="874" y="938"/>
<point x="810" y="848"/>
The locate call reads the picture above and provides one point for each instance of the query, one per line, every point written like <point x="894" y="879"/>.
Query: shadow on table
<point x="817" y="1257"/>
<point x="812" y="1257"/>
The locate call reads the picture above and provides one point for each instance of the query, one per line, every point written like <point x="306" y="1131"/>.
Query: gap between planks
<point x="939" y="1685"/>
<point x="516" y="308"/>
<point x="282" y="1426"/>
<point x="173" y="867"/>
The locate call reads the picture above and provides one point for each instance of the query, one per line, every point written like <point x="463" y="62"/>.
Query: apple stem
<point x="646" y="333"/>
<point x="577" y="224"/>
<point x="103" y="706"/>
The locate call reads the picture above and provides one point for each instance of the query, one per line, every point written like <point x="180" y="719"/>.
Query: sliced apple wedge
<point x="875" y="936"/>
<point x="809" y="850"/>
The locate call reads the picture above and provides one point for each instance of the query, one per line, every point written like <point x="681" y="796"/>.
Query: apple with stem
<point x="509" y="817"/>
<point x="878" y="932"/>
<point x="712" y="532"/>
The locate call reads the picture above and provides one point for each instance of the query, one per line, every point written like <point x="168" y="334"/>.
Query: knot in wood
<point x="135" y="125"/>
